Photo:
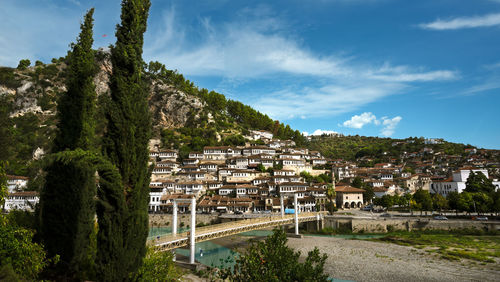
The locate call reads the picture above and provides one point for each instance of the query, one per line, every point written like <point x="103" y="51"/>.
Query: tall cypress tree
<point x="67" y="207"/>
<point x="129" y="127"/>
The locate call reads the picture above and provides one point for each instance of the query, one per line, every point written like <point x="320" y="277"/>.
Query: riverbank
<point x="361" y="260"/>
<point x="370" y="260"/>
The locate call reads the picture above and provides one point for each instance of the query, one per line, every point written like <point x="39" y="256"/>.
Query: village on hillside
<point x="255" y="178"/>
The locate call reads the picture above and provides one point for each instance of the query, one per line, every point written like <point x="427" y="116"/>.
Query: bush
<point x="157" y="266"/>
<point x="8" y="78"/>
<point x="273" y="260"/>
<point x="18" y="253"/>
<point x="23" y="64"/>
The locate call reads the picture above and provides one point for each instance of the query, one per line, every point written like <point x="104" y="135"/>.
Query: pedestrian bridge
<point x="206" y="233"/>
<point x="200" y="234"/>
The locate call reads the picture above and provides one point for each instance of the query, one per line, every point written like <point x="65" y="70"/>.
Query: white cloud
<point x="389" y="125"/>
<point x="360" y="121"/>
<point x="319" y="132"/>
<point x="464" y="22"/>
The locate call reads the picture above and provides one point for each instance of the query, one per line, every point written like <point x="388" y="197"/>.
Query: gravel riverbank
<point x="361" y="260"/>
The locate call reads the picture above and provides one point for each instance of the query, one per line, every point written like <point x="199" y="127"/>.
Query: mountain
<point x="184" y="116"/>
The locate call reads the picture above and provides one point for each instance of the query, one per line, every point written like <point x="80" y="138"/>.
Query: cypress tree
<point x="128" y="128"/>
<point x="67" y="207"/>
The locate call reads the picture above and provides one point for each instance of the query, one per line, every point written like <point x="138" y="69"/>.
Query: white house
<point x="261" y="134"/>
<point x="22" y="201"/>
<point x="457" y="182"/>
<point x="155" y="193"/>
<point x="15" y="182"/>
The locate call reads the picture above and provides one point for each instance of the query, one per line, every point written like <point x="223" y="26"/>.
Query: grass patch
<point x="449" y="245"/>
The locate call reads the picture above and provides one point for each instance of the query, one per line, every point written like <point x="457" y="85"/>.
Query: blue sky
<point x="370" y="67"/>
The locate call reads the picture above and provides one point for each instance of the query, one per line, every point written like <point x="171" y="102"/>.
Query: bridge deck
<point x="169" y="242"/>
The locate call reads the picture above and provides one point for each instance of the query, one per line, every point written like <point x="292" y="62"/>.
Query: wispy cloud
<point x="389" y="125"/>
<point x="464" y="22"/>
<point x="329" y="100"/>
<point x="492" y="66"/>
<point x="258" y="48"/>
<point x="483" y="87"/>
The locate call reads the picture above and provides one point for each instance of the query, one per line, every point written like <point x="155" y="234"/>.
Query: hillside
<point x="184" y="116"/>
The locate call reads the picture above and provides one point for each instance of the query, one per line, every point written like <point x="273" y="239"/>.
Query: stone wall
<point x="407" y="224"/>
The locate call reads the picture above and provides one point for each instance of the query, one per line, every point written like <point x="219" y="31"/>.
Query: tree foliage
<point x="23" y="64"/>
<point x="17" y="250"/>
<point x="67" y="207"/>
<point x="76" y="109"/>
<point x="423" y="200"/>
<point x="273" y="260"/>
<point x="3" y="185"/>
<point x="125" y="142"/>
<point x="478" y="182"/>
<point x="157" y="266"/>
<point x="439" y="202"/>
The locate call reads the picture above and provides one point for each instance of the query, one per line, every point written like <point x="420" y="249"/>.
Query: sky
<point x="388" y="68"/>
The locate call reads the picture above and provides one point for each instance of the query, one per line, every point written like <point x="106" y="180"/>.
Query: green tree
<point x="157" y="266"/>
<point x="482" y="201"/>
<point x="357" y="182"/>
<point x="453" y="198"/>
<point x="368" y="193"/>
<point x="423" y="200"/>
<point x="76" y="109"/>
<point x="25" y="258"/>
<point x="387" y="201"/>
<point x="478" y="182"/>
<point x="465" y="202"/>
<point x="23" y="64"/>
<point x="439" y="202"/>
<point x="3" y="185"/>
<point x="67" y="207"/>
<point x="125" y="142"/>
<point x="261" y="168"/>
<point x="273" y="260"/>
<point x="495" y="207"/>
<point x="330" y="194"/>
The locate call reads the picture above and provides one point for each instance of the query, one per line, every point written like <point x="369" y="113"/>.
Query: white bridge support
<point x="192" y="243"/>
<point x="174" y="225"/>
<point x="192" y="231"/>
<point x="296" y="208"/>
<point x="174" y="218"/>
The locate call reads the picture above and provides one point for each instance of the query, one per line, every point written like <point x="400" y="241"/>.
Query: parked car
<point x="440" y="217"/>
<point x="481" y="218"/>
<point x="367" y="208"/>
<point x="386" y="215"/>
<point x="238" y="212"/>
